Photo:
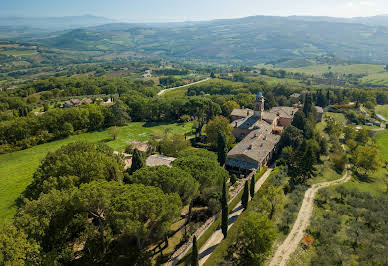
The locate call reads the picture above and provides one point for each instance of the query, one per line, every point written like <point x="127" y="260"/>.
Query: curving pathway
<point x="170" y="89"/>
<point x="293" y="239"/>
<point x="216" y="238"/>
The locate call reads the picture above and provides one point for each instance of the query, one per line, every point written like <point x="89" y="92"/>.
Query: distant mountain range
<point x="257" y="39"/>
<point x="54" y="23"/>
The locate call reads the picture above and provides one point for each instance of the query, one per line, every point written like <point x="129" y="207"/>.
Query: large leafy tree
<point x="89" y="222"/>
<point x="365" y="160"/>
<point x="202" y="110"/>
<point x="169" y="179"/>
<point x="228" y="106"/>
<point x="209" y="174"/>
<point x="171" y="146"/>
<point x="15" y="249"/>
<point x="219" y="124"/>
<point x="198" y="152"/>
<point x="145" y="212"/>
<point x="75" y="164"/>
<point x="291" y="136"/>
<point x="256" y="235"/>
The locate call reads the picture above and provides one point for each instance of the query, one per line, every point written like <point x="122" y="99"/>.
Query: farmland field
<point x="17" y="168"/>
<point x="344" y="69"/>
<point x="18" y="52"/>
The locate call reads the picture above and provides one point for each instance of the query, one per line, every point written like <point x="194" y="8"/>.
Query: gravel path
<point x="207" y="249"/>
<point x="293" y="239"/>
<point x="170" y="89"/>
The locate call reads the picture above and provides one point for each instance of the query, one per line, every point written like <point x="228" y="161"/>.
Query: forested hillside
<point x="257" y="39"/>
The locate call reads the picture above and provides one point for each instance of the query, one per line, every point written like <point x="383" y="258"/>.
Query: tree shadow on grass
<point x="155" y="124"/>
<point x="207" y="251"/>
<point x="105" y="140"/>
<point x="364" y="178"/>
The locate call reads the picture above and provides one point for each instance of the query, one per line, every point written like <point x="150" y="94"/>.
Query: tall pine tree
<point x="252" y="188"/>
<point x="194" y="253"/>
<point x="308" y="105"/>
<point x="245" y="196"/>
<point x="222" y="148"/>
<point x="137" y="161"/>
<point x="224" y="205"/>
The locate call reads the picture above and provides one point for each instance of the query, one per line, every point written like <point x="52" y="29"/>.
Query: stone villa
<point x="259" y="134"/>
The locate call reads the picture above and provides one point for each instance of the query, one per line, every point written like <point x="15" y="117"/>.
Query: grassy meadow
<point x="375" y="74"/>
<point x="18" y="52"/>
<point x="382" y="110"/>
<point x="17" y="168"/>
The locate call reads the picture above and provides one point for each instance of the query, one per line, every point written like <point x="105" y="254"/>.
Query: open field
<point x="382" y="143"/>
<point x="380" y="78"/>
<point x="344" y="69"/>
<point x="382" y="110"/>
<point x="17" y="168"/>
<point x="18" y="52"/>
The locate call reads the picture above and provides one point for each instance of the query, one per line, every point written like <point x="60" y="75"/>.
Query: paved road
<point x="207" y="249"/>
<point x="293" y="239"/>
<point x="170" y="89"/>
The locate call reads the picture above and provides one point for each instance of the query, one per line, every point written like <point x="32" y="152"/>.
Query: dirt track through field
<point x="293" y="239"/>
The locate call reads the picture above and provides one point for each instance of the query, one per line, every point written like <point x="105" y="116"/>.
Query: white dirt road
<point x="170" y="89"/>
<point x="293" y="239"/>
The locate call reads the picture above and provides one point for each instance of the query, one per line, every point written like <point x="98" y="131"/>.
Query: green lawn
<point x="382" y="110"/>
<point x="382" y="143"/>
<point x="337" y="116"/>
<point x="177" y="93"/>
<point x="17" y="168"/>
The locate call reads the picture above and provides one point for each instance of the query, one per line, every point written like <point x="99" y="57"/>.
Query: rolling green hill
<point x="247" y="40"/>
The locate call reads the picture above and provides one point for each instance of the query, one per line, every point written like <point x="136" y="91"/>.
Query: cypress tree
<point x="194" y="253"/>
<point x="252" y="188"/>
<point x="308" y="105"/>
<point x="137" y="161"/>
<point x="224" y="205"/>
<point x="222" y="148"/>
<point x="245" y="196"/>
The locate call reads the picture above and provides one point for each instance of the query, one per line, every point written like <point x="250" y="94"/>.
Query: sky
<point x="190" y="10"/>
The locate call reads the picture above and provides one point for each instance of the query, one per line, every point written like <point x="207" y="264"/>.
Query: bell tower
<point x="259" y="105"/>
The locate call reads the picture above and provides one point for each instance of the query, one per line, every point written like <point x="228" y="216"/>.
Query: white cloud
<point x="367" y="3"/>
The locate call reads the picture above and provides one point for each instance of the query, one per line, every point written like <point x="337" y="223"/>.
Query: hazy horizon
<point x="188" y="10"/>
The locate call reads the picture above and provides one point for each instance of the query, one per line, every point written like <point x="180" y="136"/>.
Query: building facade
<point x="259" y="134"/>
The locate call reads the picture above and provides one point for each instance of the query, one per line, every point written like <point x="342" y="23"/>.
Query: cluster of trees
<point x="24" y="132"/>
<point x="251" y="238"/>
<point x="350" y="228"/>
<point x="64" y="86"/>
<point x="243" y="92"/>
<point x="171" y="72"/>
<point x="208" y="173"/>
<point x="302" y="144"/>
<point x="78" y="210"/>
